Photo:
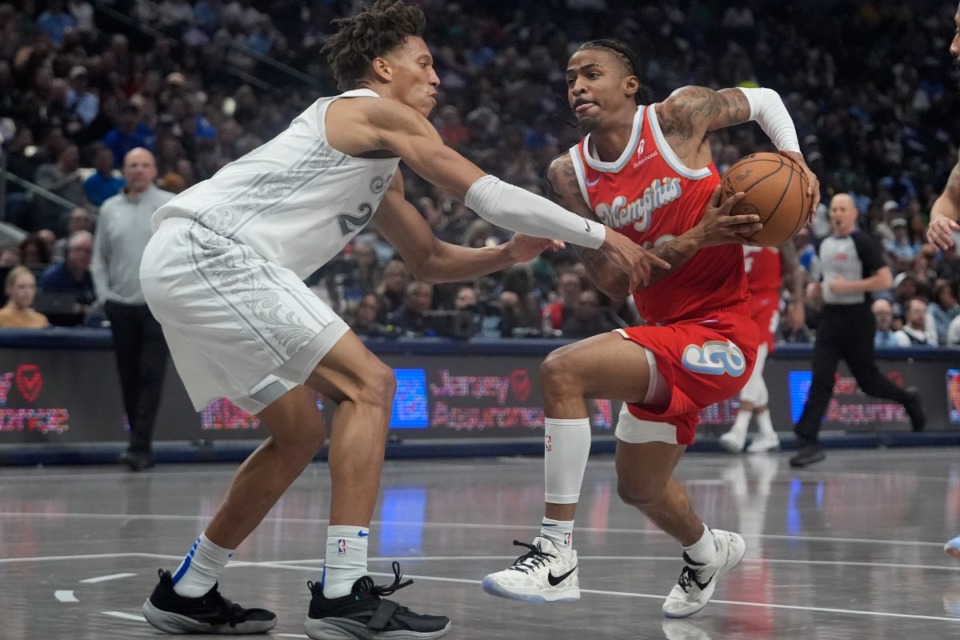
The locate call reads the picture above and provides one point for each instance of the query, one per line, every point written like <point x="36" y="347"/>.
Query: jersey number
<point x="350" y="223"/>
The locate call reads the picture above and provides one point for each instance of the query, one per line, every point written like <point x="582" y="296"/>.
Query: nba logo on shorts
<point x="341" y="547"/>
<point x="566" y="539"/>
<point x="549" y="445"/>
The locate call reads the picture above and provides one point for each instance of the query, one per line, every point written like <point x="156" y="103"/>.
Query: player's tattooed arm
<point x="565" y="191"/>
<point x="689" y="113"/>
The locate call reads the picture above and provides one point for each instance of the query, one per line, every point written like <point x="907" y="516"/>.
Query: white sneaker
<point x="543" y="574"/>
<point x="697" y="581"/>
<point x="732" y="442"/>
<point x="764" y="442"/>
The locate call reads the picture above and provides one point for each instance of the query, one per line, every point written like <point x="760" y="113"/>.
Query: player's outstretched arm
<point x="432" y="260"/>
<point x="375" y="125"/>
<point x="945" y="213"/>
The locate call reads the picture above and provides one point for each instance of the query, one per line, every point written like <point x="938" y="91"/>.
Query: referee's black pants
<point x="142" y="355"/>
<point x="844" y="332"/>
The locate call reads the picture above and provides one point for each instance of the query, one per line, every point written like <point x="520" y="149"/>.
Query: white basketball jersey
<point x="295" y="200"/>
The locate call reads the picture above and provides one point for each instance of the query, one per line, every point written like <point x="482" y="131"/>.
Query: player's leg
<point x="860" y="355"/>
<point x="605" y="366"/>
<point x="754" y="393"/>
<point x="346" y="603"/>
<point x="826" y="356"/>
<point x="644" y="480"/>
<point x="766" y="438"/>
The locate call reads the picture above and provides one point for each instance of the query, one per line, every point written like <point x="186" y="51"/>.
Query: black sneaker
<point x="914" y="408"/>
<point x="809" y="453"/>
<point x="210" y="613"/>
<point x="364" y="614"/>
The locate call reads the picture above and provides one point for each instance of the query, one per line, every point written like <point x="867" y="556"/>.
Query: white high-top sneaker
<point x="698" y="581"/>
<point x="764" y="442"/>
<point x="543" y="574"/>
<point x="732" y="442"/>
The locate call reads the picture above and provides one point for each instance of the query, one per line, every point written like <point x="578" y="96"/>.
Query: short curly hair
<point x="370" y="34"/>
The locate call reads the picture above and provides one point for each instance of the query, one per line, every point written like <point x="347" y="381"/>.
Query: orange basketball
<point x="775" y="188"/>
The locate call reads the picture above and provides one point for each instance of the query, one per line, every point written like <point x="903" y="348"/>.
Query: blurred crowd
<point x="870" y="85"/>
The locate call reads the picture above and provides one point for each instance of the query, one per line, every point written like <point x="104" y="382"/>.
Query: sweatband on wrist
<point x="517" y="209"/>
<point x="767" y="109"/>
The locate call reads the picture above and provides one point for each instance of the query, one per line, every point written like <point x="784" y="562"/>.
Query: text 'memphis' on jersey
<point x="651" y="197"/>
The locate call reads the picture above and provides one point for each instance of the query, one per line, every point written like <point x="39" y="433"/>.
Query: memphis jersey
<point x="764" y="266"/>
<point x="651" y="197"/>
<point x="295" y="200"/>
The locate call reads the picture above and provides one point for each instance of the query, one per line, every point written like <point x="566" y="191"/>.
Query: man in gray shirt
<point x="852" y="268"/>
<point x="122" y="234"/>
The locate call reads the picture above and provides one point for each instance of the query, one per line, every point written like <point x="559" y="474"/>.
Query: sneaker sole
<point x="175" y="623"/>
<point x="343" y="629"/>
<point x="731" y="447"/>
<point x="566" y="594"/>
<point x="806" y="463"/>
<point x="775" y="447"/>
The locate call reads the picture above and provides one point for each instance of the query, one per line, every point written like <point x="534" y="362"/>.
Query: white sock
<point x="741" y="423"/>
<point x="704" y="550"/>
<point x="559" y="532"/>
<point x="200" y="568"/>
<point x="345" y="560"/>
<point x="763" y="422"/>
<point x="565" y="458"/>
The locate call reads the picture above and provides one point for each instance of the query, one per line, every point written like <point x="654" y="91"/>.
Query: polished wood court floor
<point x="850" y="548"/>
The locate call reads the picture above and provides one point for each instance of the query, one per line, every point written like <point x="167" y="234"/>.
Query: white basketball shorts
<point x="238" y="326"/>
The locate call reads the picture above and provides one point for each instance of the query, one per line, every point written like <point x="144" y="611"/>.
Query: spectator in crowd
<point x="79" y="220"/>
<point x="55" y="21"/>
<point x="953" y="333"/>
<point x="412" y="318"/>
<point x="520" y="302"/>
<point x="130" y="133"/>
<point x="21" y="288"/>
<point x="73" y="274"/>
<point x="139" y="345"/>
<point x="943" y="308"/>
<point x="102" y="183"/>
<point x="80" y="100"/>
<point x="588" y="318"/>
<point x="34" y="252"/>
<point x="915" y="324"/>
<point x="557" y="312"/>
<point x="900" y="250"/>
<point x="61" y="178"/>
<point x="9" y="256"/>
<point x="886" y="336"/>
<point x="363" y="320"/>
<point x="393" y="286"/>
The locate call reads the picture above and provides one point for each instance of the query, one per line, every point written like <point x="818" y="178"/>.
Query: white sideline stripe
<point x="114" y="576"/>
<point x="290" y="635"/>
<point x="64" y="595"/>
<point x="456" y="525"/>
<point x="124" y="616"/>
<point x="89" y="556"/>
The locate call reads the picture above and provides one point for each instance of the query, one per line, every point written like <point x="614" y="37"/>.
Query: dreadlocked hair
<point x="626" y="55"/>
<point x="367" y="35"/>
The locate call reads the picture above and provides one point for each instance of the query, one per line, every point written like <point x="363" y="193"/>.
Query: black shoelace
<point x="386" y="590"/>
<point x="532" y="559"/>
<point x="688" y="577"/>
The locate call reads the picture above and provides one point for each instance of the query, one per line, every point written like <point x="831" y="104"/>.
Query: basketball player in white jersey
<point x="223" y="274"/>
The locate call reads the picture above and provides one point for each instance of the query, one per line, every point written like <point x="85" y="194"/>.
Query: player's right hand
<point x="940" y="232"/>
<point x="719" y="227"/>
<point x="631" y="258"/>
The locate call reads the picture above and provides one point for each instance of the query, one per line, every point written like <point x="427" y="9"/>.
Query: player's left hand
<point x="940" y="232"/>
<point x="523" y="248"/>
<point x="813" y="187"/>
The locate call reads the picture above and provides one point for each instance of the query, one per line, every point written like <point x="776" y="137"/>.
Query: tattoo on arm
<point x="698" y="109"/>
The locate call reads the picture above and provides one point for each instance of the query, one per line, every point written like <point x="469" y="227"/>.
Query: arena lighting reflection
<point x="402" y="514"/>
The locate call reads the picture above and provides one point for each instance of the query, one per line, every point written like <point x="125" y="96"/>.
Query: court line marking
<point x="462" y="525"/>
<point x="64" y="595"/>
<point x="125" y="616"/>
<point x="113" y="576"/>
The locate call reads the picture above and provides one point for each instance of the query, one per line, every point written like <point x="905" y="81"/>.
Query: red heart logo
<point x="29" y="381"/>
<point x="520" y="383"/>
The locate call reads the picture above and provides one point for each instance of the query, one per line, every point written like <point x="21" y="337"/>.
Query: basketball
<point x="775" y="188"/>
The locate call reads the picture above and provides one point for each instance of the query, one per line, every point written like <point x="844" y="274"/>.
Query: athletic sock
<point x="704" y="550"/>
<point x="565" y="458"/>
<point x="764" y="423"/>
<point x="345" y="560"/>
<point x="559" y="532"/>
<point x="201" y="568"/>
<point x="741" y="423"/>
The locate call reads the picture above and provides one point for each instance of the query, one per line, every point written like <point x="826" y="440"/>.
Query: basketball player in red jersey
<point x="767" y="269"/>
<point x="647" y="171"/>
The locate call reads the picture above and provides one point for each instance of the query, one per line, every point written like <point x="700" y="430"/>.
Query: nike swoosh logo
<point x="555" y="580"/>
<point x="593" y="183"/>
<point x="363" y="534"/>
<point x="587" y="222"/>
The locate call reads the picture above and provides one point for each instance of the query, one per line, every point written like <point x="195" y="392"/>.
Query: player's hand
<point x="813" y="186"/>
<point x="796" y="315"/>
<point x="719" y="227"/>
<point x="630" y="258"/>
<point x="523" y="248"/>
<point x="940" y="232"/>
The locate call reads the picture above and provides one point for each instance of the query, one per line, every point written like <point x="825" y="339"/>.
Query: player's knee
<point x="378" y="387"/>
<point x="557" y="376"/>
<point x="641" y="496"/>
